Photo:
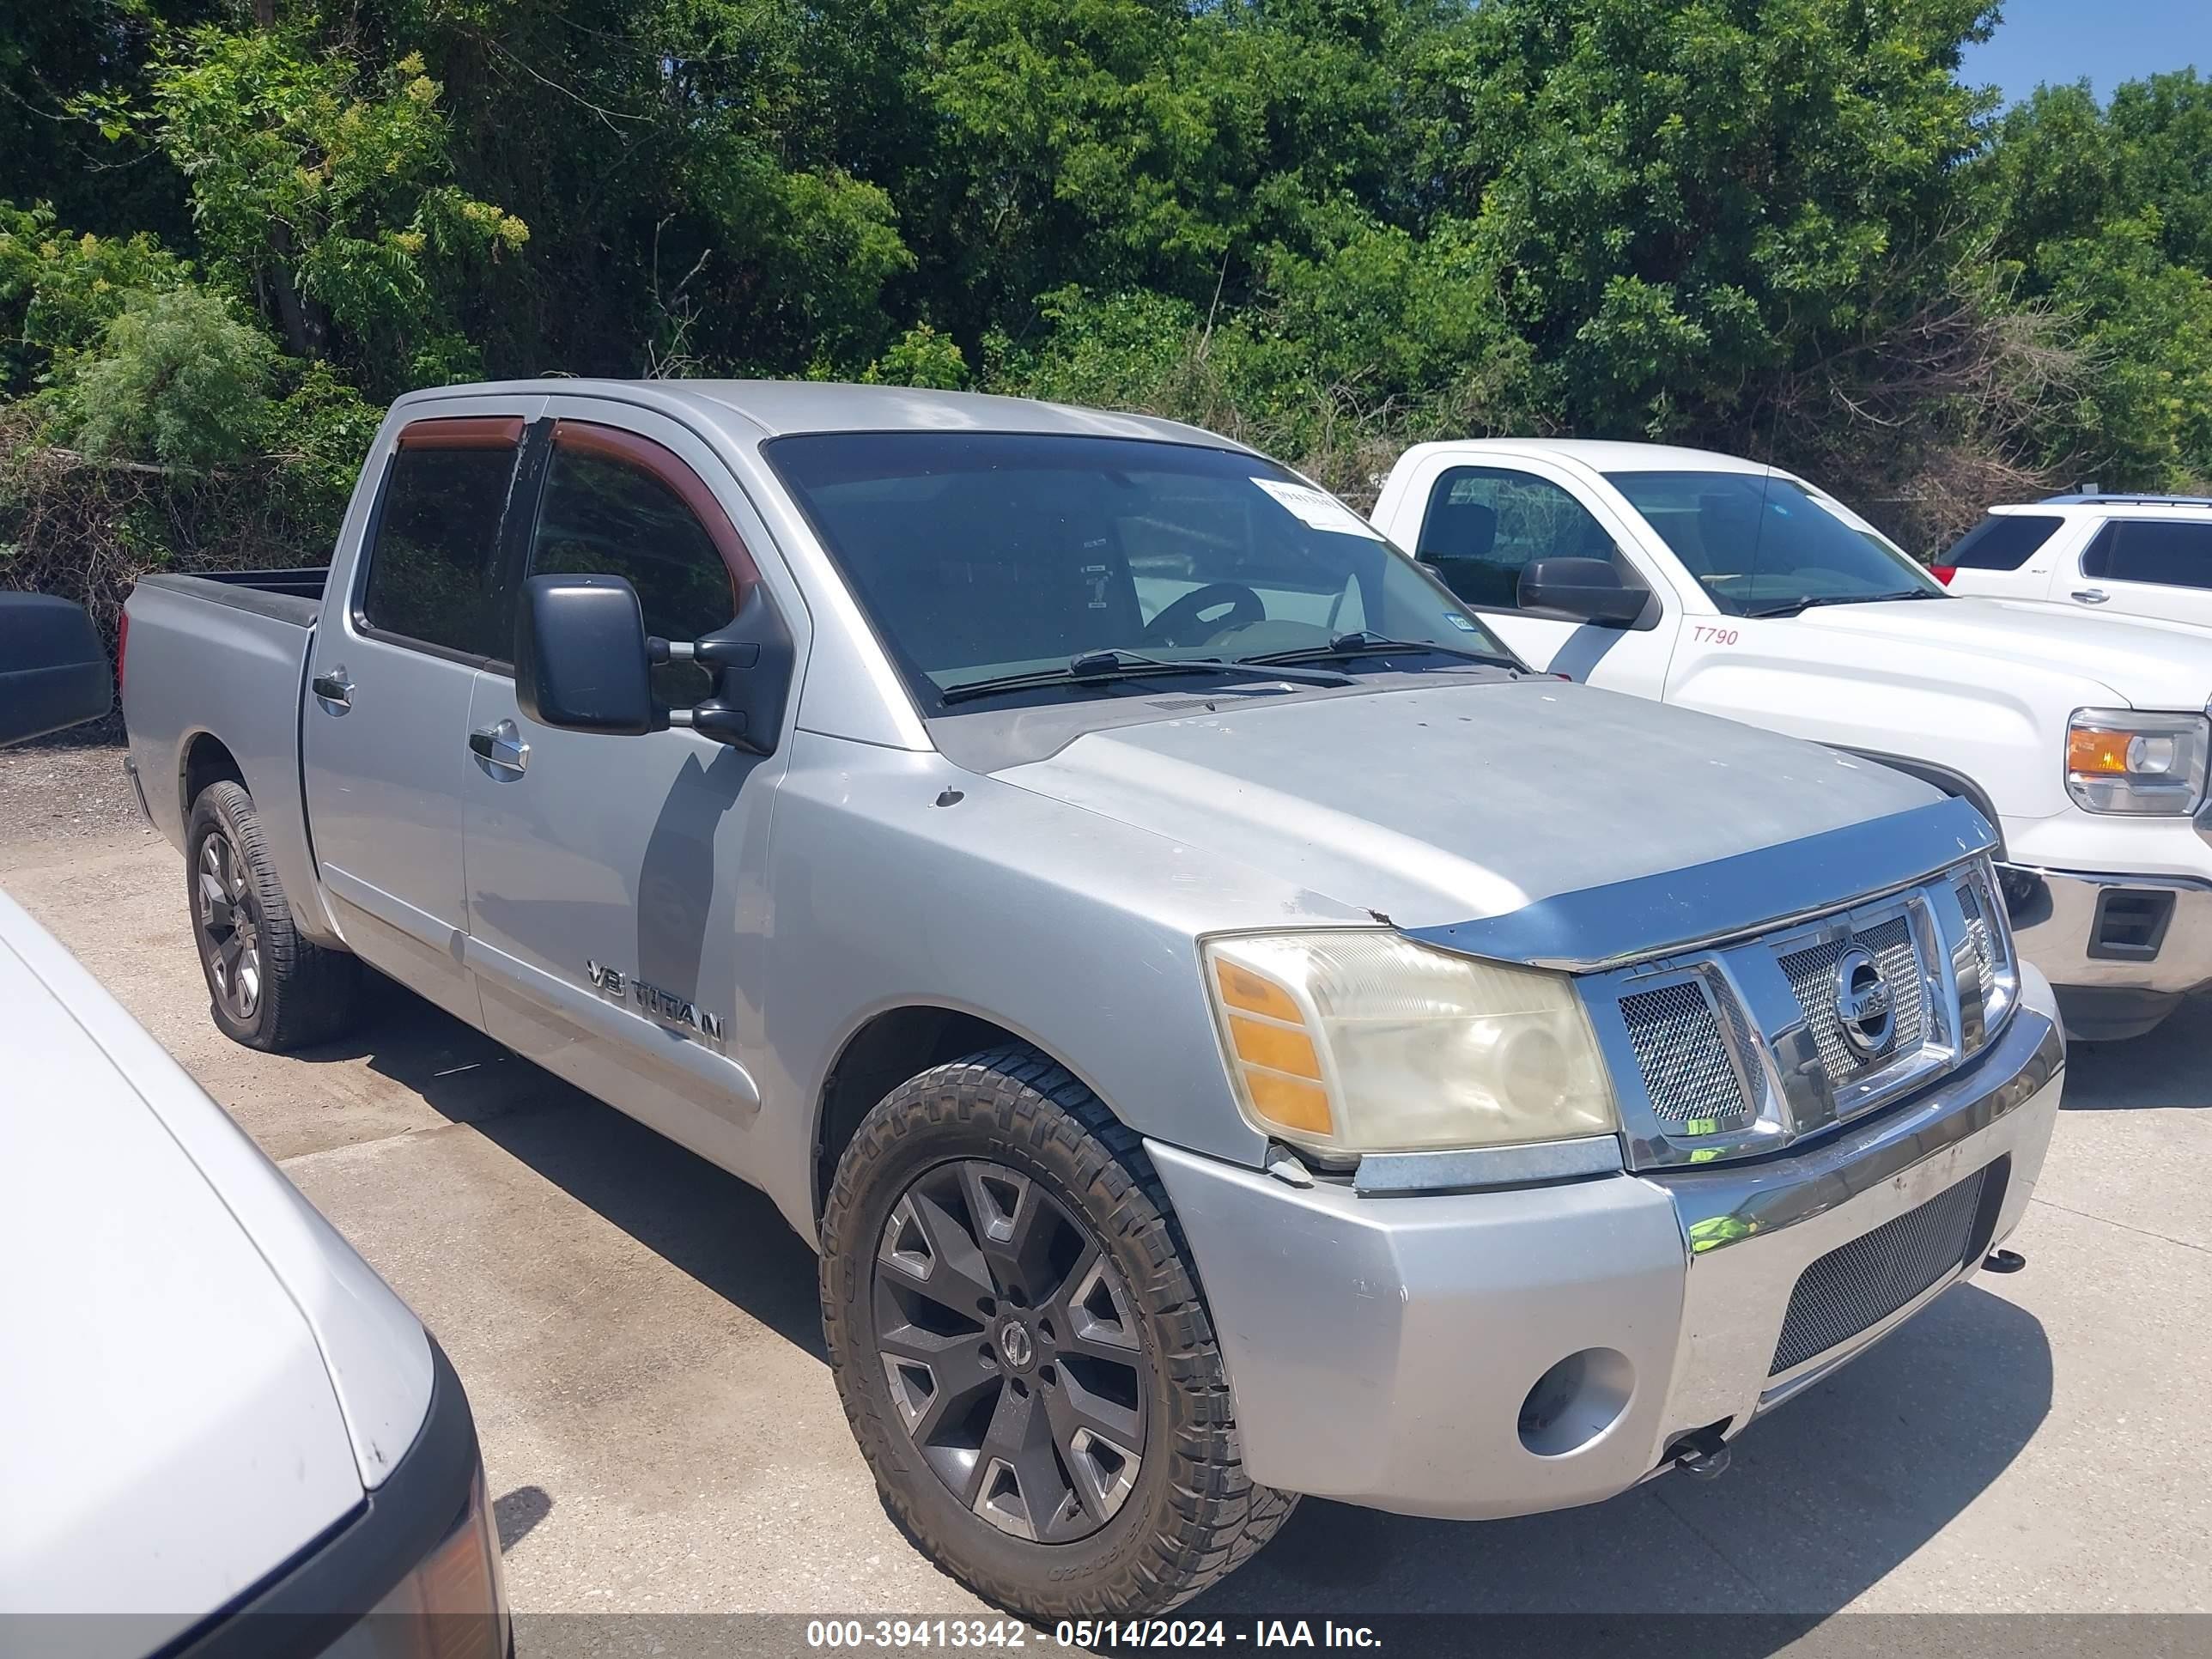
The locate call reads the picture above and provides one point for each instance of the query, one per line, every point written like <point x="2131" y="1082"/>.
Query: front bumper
<point x="1382" y="1351"/>
<point x="2122" y="949"/>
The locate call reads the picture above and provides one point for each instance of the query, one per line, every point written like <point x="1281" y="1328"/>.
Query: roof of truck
<point x="775" y="408"/>
<point x="1607" y="455"/>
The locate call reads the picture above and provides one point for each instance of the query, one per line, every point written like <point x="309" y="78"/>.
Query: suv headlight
<point x="1343" y="1041"/>
<point x="2120" y="760"/>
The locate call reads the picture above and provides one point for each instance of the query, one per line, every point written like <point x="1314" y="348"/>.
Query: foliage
<point x="231" y="229"/>
<point x="2107" y="213"/>
<point x="177" y="380"/>
<point x="60" y="290"/>
<point x="323" y="192"/>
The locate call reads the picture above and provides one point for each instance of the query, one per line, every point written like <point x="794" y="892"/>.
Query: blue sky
<point x="2107" y="40"/>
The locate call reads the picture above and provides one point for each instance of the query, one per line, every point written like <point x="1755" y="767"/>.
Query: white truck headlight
<point x="2119" y="760"/>
<point x="1344" y="1041"/>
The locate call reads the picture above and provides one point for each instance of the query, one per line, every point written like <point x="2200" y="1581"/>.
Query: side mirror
<point x="53" y="670"/>
<point x="579" y="656"/>
<point x="583" y="662"/>
<point x="1581" y="590"/>
<point x="751" y="661"/>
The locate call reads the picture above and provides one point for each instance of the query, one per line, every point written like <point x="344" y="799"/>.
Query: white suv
<point x="2138" y="555"/>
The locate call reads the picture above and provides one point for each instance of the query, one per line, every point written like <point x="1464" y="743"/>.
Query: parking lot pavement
<point x="639" y="1335"/>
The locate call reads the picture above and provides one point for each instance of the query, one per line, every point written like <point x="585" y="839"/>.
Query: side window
<point x="2171" y="555"/>
<point x="1485" y="524"/>
<point x="2002" y="541"/>
<point x="604" y="514"/>
<point x="434" y="564"/>
<point x="2097" y="557"/>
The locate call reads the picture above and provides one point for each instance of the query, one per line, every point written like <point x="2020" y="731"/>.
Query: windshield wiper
<point x="1793" y="606"/>
<point x="1097" y="667"/>
<point x="1360" y="643"/>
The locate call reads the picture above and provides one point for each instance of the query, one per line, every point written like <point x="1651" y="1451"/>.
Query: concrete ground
<point x="639" y="1333"/>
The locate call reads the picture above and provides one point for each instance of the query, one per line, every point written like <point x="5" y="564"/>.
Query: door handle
<point x="334" y="688"/>
<point x="2091" y="595"/>
<point x="501" y="747"/>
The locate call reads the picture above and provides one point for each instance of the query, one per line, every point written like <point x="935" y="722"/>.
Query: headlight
<point x="454" y="1601"/>
<point x="1344" y="1041"/>
<point x="2120" y="761"/>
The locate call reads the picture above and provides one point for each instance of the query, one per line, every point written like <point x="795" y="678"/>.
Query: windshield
<point x="982" y="555"/>
<point x="1758" y="543"/>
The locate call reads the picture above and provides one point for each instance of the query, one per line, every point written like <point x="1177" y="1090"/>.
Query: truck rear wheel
<point x="1023" y="1352"/>
<point x="270" y="988"/>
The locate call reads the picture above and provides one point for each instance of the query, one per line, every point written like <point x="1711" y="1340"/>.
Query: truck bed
<point x="213" y="678"/>
<point x="286" y="596"/>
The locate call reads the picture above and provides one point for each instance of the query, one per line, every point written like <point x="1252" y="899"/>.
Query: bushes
<point x="177" y="380"/>
<point x="1329" y="227"/>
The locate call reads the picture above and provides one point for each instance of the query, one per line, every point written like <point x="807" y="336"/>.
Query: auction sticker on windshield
<point x="1310" y="507"/>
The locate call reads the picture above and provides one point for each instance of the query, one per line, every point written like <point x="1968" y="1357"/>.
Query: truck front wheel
<point x="269" y="987"/>
<point x="1023" y="1352"/>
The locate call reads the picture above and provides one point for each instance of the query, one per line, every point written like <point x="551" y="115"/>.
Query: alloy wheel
<point x="229" y="920"/>
<point x="1010" y="1347"/>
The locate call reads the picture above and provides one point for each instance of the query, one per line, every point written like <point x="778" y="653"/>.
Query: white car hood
<point x="1452" y="801"/>
<point x="2142" y="662"/>
<point x="176" y="1431"/>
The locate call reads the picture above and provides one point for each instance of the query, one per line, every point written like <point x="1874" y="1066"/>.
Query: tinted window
<point x="1758" y="543"/>
<point x="433" y="570"/>
<point x="2003" y="541"/>
<point x="1483" y="524"/>
<point x="978" y="555"/>
<point x="607" y="518"/>
<point x="2172" y="555"/>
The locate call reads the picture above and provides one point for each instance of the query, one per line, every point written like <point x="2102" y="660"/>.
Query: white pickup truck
<point x="1730" y="587"/>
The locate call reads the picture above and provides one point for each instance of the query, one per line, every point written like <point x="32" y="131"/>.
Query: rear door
<point x="2008" y="555"/>
<point x="394" y="664"/>
<point x="617" y="899"/>
<point x="2148" y="568"/>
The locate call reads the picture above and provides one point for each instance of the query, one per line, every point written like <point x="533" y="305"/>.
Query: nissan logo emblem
<point x="1865" y="1013"/>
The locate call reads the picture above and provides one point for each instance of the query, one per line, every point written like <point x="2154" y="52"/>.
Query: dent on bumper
<point x="1380" y="1349"/>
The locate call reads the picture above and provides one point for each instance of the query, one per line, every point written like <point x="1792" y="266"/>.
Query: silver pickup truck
<point x="1230" y="1029"/>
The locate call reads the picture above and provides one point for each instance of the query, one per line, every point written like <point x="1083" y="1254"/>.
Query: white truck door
<point x="2146" y="567"/>
<point x="619" y="916"/>
<point x="394" y="663"/>
<point x="1482" y="523"/>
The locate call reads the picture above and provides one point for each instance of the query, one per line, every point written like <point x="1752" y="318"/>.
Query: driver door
<point x="618" y="903"/>
<point x="1484" y="524"/>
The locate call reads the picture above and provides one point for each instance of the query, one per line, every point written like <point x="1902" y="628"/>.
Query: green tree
<point x="178" y="380"/>
<point x="324" y="194"/>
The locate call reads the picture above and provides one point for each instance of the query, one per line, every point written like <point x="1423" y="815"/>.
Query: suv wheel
<point x="1021" y="1347"/>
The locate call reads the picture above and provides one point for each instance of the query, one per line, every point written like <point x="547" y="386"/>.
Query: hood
<point x="1450" y="801"/>
<point x="178" y="1435"/>
<point x="2142" y="662"/>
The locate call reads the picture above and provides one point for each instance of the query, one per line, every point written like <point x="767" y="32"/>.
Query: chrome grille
<point x="1977" y="926"/>
<point x="1862" y="1283"/>
<point x="1812" y="977"/>
<point x="1737" y="1049"/>
<point x="1694" y="1086"/>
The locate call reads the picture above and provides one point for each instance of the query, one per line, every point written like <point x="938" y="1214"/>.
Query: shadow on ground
<point x="1824" y="1498"/>
<point x="698" y="1218"/>
<point x="2165" y="1068"/>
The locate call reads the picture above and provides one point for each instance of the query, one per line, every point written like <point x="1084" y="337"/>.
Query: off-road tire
<point x="1193" y="1514"/>
<point x="308" y="993"/>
